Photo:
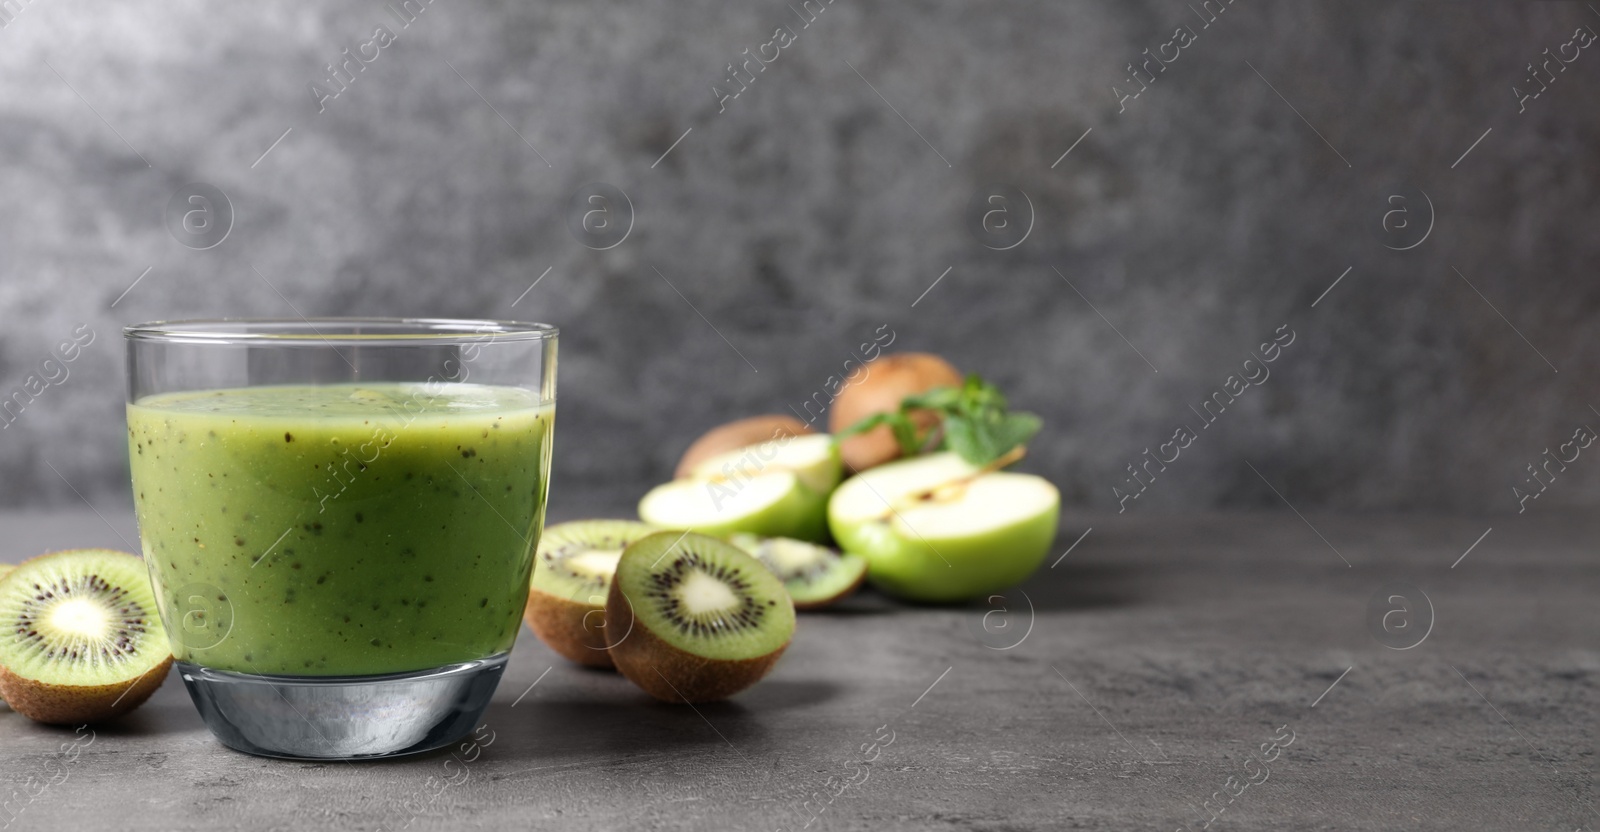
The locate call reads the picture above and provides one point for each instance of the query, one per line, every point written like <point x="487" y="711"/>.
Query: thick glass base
<point x="343" y="717"/>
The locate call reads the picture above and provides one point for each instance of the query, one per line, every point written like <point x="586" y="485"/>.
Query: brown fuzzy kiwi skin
<point x="79" y="704"/>
<point x="670" y="674"/>
<point x="885" y="381"/>
<point x="568" y="627"/>
<point x="735" y="435"/>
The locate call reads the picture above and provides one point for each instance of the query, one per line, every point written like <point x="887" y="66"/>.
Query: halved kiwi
<point x="571" y="579"/>
<point x="694" y="619"/>
<point x="5" y="569"/>
<point x="80" y="639"/>
<point x="815" y="576"/>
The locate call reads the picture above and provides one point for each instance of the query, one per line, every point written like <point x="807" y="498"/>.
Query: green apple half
<point x="777" y="488"/>
<point x="933" y="528"/>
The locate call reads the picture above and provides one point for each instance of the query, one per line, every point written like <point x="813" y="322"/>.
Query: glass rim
<point x="327" y="331"/>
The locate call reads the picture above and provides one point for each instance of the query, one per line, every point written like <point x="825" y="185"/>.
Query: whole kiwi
<point x="878" y="388"/>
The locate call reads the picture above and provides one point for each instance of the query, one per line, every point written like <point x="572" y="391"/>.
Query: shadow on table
<point x="782" y="694"/>
<point x="866" y="601"/>
<point x="168" y="712"/>
<point x="554" y="731"/>
<point x="152" y="719"/>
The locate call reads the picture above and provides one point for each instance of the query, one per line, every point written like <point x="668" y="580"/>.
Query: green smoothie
<point x="340" y="530"/>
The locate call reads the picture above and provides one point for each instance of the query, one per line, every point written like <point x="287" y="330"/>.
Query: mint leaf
<point x="1013" y="430"/>
<point x="963" y="438"/>
<point x="939" y="398"/>
<point x="905" y="431"/>
<point x="869" y="423"/>
<point x="975" y="422"/>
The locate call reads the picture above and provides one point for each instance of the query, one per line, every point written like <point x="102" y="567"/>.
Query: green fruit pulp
<point x="340" y="529"/>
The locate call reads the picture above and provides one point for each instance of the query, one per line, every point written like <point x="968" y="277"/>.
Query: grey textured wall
<point x="827" y="198"/>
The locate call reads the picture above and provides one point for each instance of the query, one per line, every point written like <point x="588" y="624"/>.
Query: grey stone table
<point x="1121" y="688"/>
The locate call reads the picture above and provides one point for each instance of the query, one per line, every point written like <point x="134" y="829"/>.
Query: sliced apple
<point x="778" y="488"/>
<point x="813" y="458"/>
<point x="937" y="528"/>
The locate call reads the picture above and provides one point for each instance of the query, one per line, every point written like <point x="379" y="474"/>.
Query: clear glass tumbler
<point x="339" y="517"/>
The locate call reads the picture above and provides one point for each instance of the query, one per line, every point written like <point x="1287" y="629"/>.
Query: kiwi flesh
<point x="571" y="579"/>
<point x="695" y="619"/>
<point x="80" y="638"/>
<point x="815" y="576"/>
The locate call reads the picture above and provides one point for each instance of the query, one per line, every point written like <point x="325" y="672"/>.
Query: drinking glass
<point x="339" y="517"/>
